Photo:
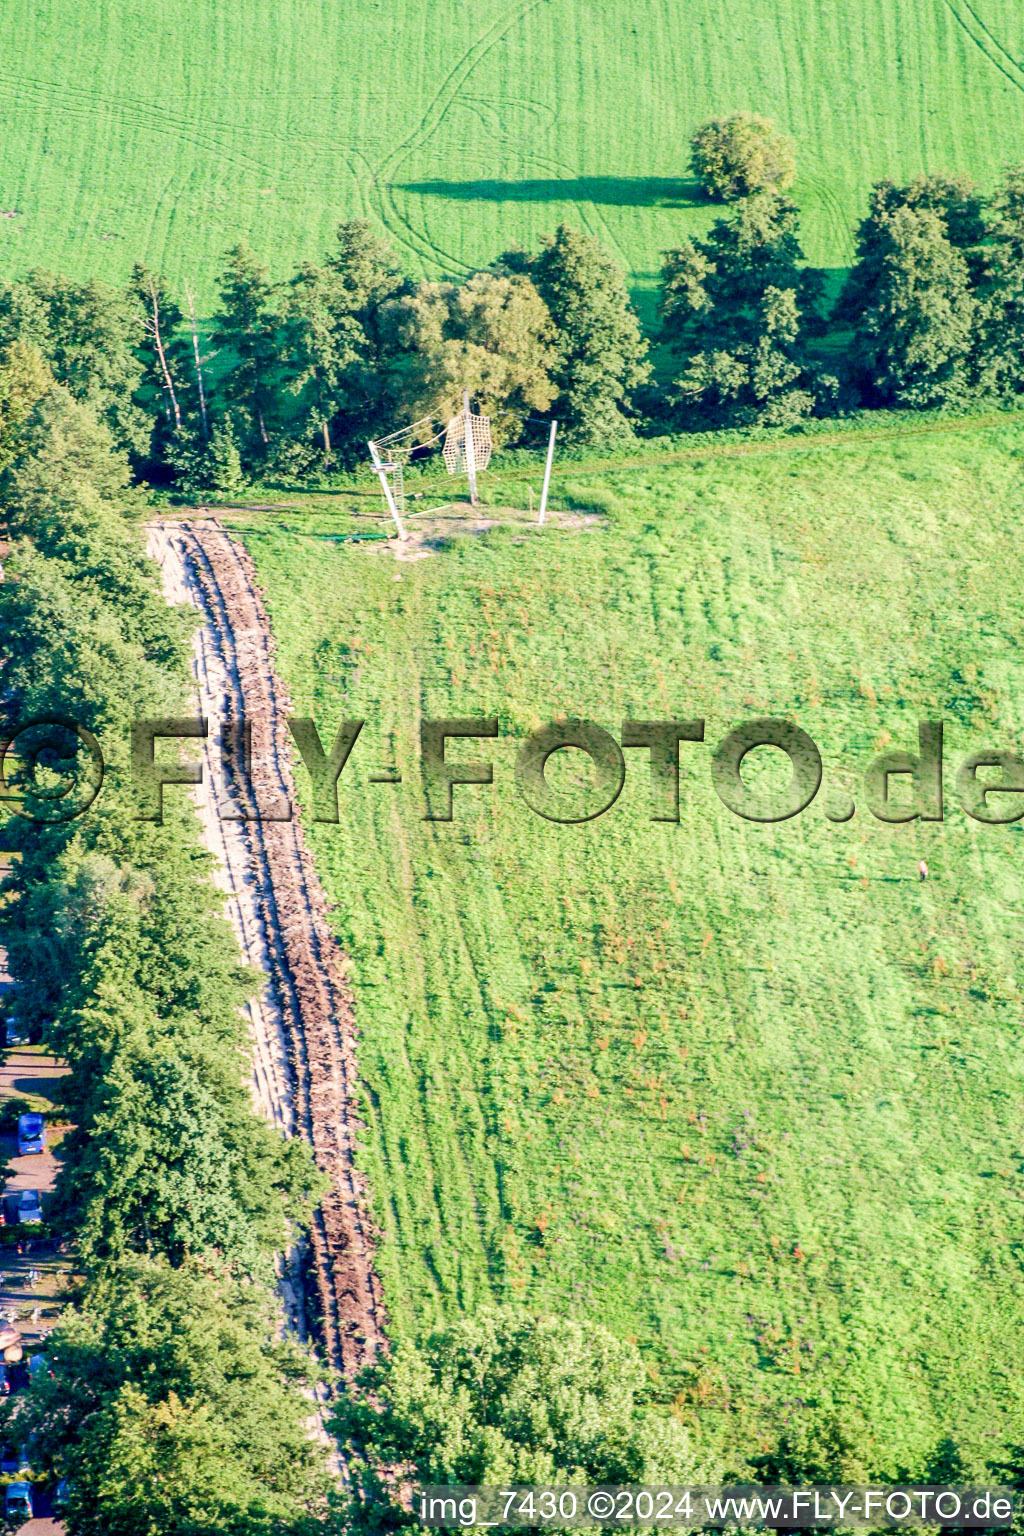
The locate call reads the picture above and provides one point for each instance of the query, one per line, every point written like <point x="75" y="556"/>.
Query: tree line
<point x="169" y="1402"/>
<point x="291" y="378"/>
<point x="929" y="314"/>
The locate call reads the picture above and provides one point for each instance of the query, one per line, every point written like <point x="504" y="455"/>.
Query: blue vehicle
<point x="31" y="1134"/>
<point x="29" y="1209"/>
<point x="18" y="1502"/>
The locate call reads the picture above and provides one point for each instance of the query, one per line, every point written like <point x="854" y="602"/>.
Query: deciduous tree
<point x="909" y="302"/>
<point x="739" y="310"/>
<point x="89" y="335"/>
<point x="601" y="350"/>
<point x="491" y="335"/>
<point x="504" y="1397"/>
<point x="737" y="156"/>
<point x="172" y="1410"/>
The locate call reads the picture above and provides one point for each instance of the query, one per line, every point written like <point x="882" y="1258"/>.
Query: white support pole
<point x="386" y="488"/>
<point x="470" y="450"/>
<point x="547" y="473"/>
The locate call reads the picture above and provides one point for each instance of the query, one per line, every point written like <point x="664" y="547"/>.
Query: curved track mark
<point x="986" y="40"/>
<point x="445" y="96"/>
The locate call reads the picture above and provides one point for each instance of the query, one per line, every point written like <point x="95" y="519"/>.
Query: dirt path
<point x="303" y="1026"/>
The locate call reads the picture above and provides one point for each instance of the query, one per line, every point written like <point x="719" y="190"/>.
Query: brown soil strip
<point x="282" y="917"/>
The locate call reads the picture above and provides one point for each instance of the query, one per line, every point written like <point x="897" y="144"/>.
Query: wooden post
<point x="470" y="451"/>
<point x="386" y="488"/>
<point x="547" y="473"/>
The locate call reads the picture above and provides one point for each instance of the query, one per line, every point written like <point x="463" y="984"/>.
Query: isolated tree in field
<point x="492" y="335"/>
<point x="739" y="309"/>
<point x="89" y="335"/>
<point x="908" y="300"/>
<point x="601" y="351"/>
<point x="504" y="1396"/>
<point x="248" y="325"/>
<point x="332" y="342"/>
<point x="737" y="156"/>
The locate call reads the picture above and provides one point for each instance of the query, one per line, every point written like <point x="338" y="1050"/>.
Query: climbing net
<point x="454" y="449"/>
<point x="392" y="453"/>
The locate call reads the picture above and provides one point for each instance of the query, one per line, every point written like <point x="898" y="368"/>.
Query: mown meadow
<point x="148" y="133"/>
<point x="751" y="1094"/>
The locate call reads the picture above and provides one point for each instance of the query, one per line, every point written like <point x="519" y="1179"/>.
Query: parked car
<point x="36" y="1364"/>
<point x="5" y="1381"/>
<point x="62" y="1494"/>
<point x="18" y="1502"/>
<point x="15" y="1032"/>
<point x="31" y="1134"/>
<point x="29" y="1209"/>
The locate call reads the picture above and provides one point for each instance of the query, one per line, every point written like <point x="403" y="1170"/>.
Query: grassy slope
<point x="752" y="1094"/>
<point x="144" y="129"/>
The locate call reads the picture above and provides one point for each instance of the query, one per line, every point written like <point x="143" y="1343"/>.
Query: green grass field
<point x="160" y="132"/>
<point x="751" y="1094"/>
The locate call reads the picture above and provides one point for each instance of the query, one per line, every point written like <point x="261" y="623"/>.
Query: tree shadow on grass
<point x="619" y="191"/>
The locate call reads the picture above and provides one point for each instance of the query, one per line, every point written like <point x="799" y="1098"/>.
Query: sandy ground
<point x="427" y="533"/>
<point x="234" y="873"/>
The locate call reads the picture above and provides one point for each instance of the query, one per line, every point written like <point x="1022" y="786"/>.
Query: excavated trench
<point x="303" y="1025"/>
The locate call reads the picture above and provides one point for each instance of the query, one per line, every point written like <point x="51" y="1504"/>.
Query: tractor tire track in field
<point x="387" y="209"/>
<point x="307" y="989"/>
<point x="141" y="115"/>
<point x="967" y="17"/>
<point x="831" y="212"/>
